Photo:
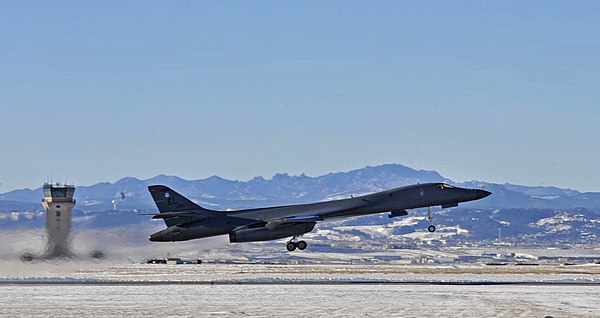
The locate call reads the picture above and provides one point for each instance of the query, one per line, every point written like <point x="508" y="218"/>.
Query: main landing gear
<point x="431" y="227"/>
<point x="292" y="244"/>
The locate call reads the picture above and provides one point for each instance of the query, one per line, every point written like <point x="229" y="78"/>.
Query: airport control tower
<point x="59" y="204"/>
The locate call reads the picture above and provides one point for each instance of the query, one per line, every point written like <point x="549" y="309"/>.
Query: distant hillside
<point x="219" y="193"/>
<point x="525" y="215"/>
<point x="524" y="227"/>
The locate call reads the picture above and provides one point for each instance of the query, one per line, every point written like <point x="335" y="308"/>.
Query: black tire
<point x="431" y="228"/>
<point x="302" y="245"/>
<point x="291" y="246"/>
<point x="97" y="254"/>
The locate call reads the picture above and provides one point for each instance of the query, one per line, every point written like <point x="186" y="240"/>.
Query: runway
<point x="258" y="290"/>
<point x="268" y="300"/>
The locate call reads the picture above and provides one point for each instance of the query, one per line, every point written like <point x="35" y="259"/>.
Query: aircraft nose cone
<point x="482" y="194"/>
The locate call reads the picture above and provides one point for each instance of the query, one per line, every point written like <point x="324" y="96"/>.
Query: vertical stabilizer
<point x="175" y="208"/>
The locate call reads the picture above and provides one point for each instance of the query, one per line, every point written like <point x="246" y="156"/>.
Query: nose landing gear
<point x="431" y="227"/>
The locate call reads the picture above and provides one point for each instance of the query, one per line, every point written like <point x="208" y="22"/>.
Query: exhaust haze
<point x="122" y="245"/>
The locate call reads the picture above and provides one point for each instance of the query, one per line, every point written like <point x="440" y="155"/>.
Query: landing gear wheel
<point x="431" y="228"/>
<point x="291" y="246"/>
<point x="302" y="245"/>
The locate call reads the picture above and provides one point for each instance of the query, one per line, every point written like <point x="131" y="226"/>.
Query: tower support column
<point x="58" y="203"/>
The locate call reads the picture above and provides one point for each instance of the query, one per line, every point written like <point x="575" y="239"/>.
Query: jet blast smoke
<point x="121" y="245"/>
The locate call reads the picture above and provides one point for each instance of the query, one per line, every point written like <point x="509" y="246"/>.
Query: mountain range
<point x="218" y="193"/>
<point x="525" y="215"/>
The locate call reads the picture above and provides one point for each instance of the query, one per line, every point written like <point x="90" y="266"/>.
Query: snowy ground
<point x="119" y="286"/>
<point x="57" y="271"/>
<point x="298" y="301"/>
<point x="75" y="289"/>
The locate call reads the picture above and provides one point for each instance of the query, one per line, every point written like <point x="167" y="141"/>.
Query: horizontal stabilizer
<point x="168" y="215"/>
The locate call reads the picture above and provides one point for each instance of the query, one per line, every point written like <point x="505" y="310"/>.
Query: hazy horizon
<point x="270" y="177"/>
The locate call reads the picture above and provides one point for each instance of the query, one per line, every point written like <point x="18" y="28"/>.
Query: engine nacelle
<point x="264" y="234"/>
<point x="182" y="233"/>
<point x="171" y="234"/>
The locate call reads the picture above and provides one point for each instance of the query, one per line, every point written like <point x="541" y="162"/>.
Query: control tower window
<point x="59" y="192"/>
<point x="57" y="213"/>
<point x="58" y="206"/>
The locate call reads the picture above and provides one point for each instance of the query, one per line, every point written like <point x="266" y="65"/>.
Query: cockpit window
<point x="444" y="186"/>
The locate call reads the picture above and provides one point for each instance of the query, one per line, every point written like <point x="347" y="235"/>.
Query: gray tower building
<point x="59" y="204"/>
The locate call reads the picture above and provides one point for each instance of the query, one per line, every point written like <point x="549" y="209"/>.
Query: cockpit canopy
<point x="443" y="186"/>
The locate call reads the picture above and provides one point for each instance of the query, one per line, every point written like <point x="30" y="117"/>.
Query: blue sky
<point x="502" y="91"/>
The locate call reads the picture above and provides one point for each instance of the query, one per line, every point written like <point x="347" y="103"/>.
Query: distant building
<point x="58" y="203"/>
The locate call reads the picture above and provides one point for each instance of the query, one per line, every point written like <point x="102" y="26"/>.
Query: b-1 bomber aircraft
<point x="186" y="220"/>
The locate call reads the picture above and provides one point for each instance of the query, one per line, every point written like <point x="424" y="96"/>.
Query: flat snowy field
<point x="290" y="300"/>
<point x="75" y="289"/>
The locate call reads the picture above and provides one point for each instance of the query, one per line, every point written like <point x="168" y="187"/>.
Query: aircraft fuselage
<point x="282" y="221"/>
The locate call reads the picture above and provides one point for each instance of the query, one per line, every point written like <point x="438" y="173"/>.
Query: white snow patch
<point x="546" y="197"/>
<point x="371" y="230"/>
<point x="89" y="202"/>
<point x="409" y="221"/>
